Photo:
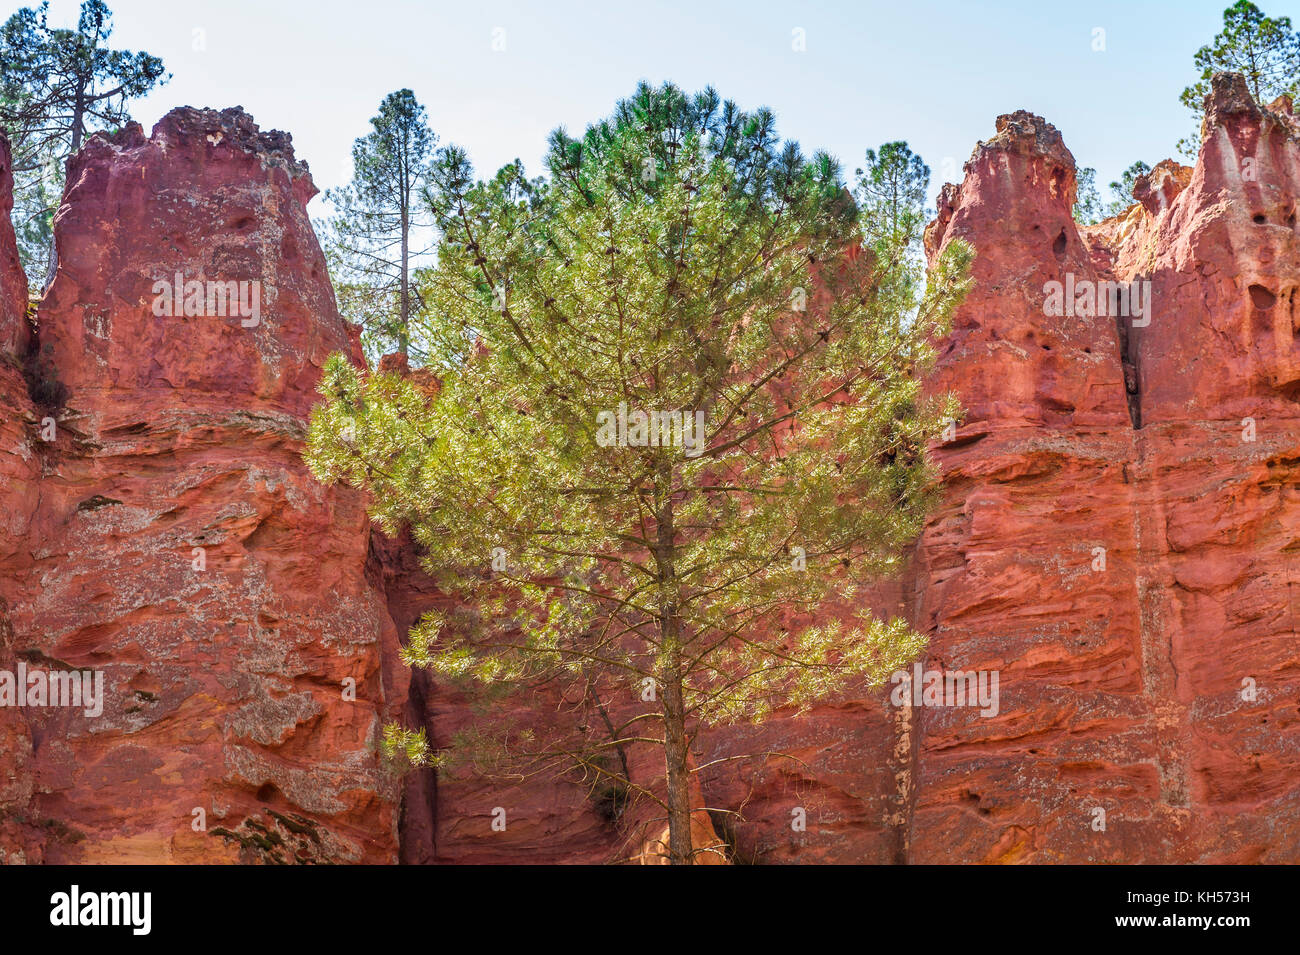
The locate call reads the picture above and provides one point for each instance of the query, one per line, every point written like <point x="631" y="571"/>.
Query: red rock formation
<point x="19" y="482"/>
<point x="1219" y="526"/>
<point x="177" y="543"/>
<point x="1114" y="540"/>
<point x="14" y="332"/>
<point x="1121" y="684"/>
<point x="1118" y="539"/>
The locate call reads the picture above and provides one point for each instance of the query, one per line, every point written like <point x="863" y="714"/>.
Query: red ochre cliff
<point x="170" y="536"/>
<point x="1118" y="540"/>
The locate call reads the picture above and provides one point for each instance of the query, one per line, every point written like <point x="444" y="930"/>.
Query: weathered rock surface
<point x="1118" y="539"/>
<point x="175" y="541"/>
<point x="14" y="332"/>
<point x="19" y="488"/>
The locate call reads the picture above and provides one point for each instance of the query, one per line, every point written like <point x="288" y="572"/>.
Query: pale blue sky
<point x="933" y="73"/>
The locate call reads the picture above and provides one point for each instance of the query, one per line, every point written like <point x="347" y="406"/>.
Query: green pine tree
<point x="891" y="195"/>
<point x="374" y="239"/>
<point x="1088" y="209"/>
<point x="672" y="413"/>
<point x="1265" y="50"/>
<point x="56" y="86"/>
<point x="1121" y="190"/>
<point x="891" y="200"/>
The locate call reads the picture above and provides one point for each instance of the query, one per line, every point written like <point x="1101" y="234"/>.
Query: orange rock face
<point x="19" y="487"/>
<point x="1119" y="537"/>
<point x="14" y="332"/>
<point x="1117" y="545"/>
<point x="170" y="536"/>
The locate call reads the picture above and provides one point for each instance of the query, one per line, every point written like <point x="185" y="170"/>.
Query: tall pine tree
<point x="674" y="415"/>
<point x="56" y="86"/>
<point x="1265" y="50"/>
<point x="890" y="192"/>
<point x="379" y="216"/>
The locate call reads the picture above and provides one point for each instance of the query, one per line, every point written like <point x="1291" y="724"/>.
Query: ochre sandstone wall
<point x="224" y="667"/>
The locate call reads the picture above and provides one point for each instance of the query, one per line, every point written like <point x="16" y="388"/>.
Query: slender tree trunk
<point x="404" y="336"/>
<point x="78" y="123"/>
<point x="680" y="850"/>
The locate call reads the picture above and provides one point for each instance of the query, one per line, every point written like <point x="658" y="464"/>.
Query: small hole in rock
<point x="1259" y="218"/>
<point x="1262" y="297"/>
<point x="1058" y="246"/>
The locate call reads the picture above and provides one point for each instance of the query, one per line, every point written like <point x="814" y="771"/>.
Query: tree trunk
<point x="404" y="335"/>
<point x="78" y="122"/>
<point x="680" y="851"/>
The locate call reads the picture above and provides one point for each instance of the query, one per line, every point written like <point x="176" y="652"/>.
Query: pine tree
<point x="891" y="202"/>
<point x="891" y="194"/>
<point x="1121" y="190"/>
<point x="1087" y="201"/>
<point x="1265" y="50"/>
<point x="379" y="215"/>
<point x="674" y="414"/>
<point x="56" y="86"/>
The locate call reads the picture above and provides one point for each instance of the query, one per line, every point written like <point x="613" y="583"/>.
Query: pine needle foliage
<point x="678" y="258"/>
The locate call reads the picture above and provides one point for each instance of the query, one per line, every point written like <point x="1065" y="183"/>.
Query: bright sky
<point x="933" y="73"/>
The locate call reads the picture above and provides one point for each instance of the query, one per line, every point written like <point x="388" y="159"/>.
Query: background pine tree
<point x="379" y="230"/>
<point x="56" y="87"/>
<point x="1265" y="50"/>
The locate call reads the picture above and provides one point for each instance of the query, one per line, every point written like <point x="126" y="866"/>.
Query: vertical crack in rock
<point x="1130" y="352"/>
